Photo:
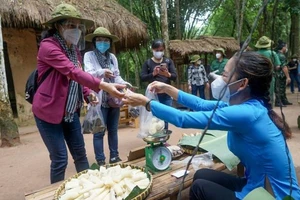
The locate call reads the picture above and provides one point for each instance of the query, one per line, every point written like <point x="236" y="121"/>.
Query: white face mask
<point x="198" y="62"/>
<point x="72" y="35"/>
<point x="217" y="86"/>
<point x="286" y="50"/>
<point x="294" y="59"/>
<point x="158" y="54"/>
<point x="218" y="55"/>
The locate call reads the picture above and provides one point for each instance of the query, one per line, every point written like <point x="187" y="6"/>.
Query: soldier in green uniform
<point x="282" y="78"/>
<point x="220" y="61"/>
<point x="264" y="48"/>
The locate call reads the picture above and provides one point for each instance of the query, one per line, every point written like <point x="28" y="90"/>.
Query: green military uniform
<point x="217" y="65"/>
<point x="280" y="82"/>
<point x="272" y="55"/>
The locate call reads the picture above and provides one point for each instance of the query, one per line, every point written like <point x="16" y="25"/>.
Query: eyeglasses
<point x="71" y="25"/>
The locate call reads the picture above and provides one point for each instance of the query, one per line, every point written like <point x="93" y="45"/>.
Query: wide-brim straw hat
<point x="221" y="50"/>
<point x="67" y="11"/>
<point x="195" y="58"/>
<point x="101" y="32"/>
<point x="264" y="42"/>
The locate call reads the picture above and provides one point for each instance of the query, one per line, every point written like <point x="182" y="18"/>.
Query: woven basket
<point x="141" y="196"/>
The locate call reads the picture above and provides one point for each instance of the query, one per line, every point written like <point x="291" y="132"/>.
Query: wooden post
<point x="3" y="81"/>
<point x="8" y="127"/>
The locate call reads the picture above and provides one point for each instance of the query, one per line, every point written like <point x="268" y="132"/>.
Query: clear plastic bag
<point x="134" y="112"/>
<point x="94" y="121"/>
<point x="148" y="123"/>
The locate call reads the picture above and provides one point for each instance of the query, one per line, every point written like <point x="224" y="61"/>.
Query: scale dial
<point x="161" y="158"/>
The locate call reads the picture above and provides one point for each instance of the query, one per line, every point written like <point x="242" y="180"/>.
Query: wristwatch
<point x="147" y="106"/>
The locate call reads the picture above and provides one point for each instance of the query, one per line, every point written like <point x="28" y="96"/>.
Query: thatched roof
<point x="108" y="13"/>
<point x="205" y="44"/>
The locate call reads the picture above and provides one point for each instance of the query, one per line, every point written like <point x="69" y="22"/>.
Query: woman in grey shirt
<point x="197" y="78"/>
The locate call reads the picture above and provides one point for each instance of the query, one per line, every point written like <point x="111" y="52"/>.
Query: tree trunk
<point x="164" y="26"/>
<point x="237" y="18"/>
<point x="240" y="33"/>
<point x="137" y="71"/>
<point x="295" y="29"/>
<point x="8" y="127"/>
<point x="178" y="25"/>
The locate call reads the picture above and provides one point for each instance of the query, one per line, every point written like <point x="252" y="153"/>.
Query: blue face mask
<point x="102" y="46"/>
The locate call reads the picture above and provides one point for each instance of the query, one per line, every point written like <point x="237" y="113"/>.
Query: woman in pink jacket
<point x="57" y="102"/>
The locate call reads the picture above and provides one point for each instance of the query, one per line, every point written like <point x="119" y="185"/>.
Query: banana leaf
<point x="216" y="143"/>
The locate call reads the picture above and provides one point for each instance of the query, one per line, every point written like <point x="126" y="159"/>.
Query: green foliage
<point x="205" y="17"/>
<point x="223" y="21"/>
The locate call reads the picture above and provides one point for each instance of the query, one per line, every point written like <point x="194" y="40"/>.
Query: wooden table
<point x="164" y="185"/>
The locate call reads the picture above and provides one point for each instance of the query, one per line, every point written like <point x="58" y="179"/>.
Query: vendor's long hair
<point x="259" y="71"/>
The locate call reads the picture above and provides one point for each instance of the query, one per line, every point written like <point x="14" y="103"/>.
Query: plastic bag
<point x="148" y="123"/>
<point x="134" y="112"/>
<point x="205" y="160"/>
<point x="114" y="102"/>
<point x="94" y="121"/>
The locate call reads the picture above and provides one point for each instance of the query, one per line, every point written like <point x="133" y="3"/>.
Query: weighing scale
<point x="158" y="157"/>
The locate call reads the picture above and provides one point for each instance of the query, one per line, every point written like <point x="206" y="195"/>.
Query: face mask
<point x="286" y="50"/>
<point x="218" y="55"/>
<point x="198" y="62"/>
<point x="158" y="54"/>
<point x="102" y="46"/>
<point x="72" y="35"/>
<point x="217" y="86"/>
<point x="294" y="59"/>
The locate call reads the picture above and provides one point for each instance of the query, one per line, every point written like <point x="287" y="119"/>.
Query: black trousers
<point x="209" y="184"/>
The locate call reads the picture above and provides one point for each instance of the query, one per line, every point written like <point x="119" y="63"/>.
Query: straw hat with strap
<point x="101" y="32"/>
<point x="67" y="11"/>
<point x="194" y="58"/>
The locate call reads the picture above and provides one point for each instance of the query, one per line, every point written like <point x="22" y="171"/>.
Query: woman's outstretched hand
<point x="113" y="89"/>
<point x="135" y="99"/>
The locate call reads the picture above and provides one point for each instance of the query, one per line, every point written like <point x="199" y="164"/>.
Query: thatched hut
<point x="22" y="24"/>
<point x="181" y="50"/>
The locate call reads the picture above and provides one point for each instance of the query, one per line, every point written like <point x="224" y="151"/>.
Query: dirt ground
<point x="25" y="168"/>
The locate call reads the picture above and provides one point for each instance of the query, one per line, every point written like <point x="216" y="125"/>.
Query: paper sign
<point x="179" y="173"/>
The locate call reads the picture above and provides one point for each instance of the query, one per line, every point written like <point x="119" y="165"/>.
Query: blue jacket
<point x="252" y="137"/>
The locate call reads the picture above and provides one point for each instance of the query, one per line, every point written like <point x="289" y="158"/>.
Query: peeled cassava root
<point x="156" y="125"/>
<point x="191" y="135"/>
<point x="113" y="183"/>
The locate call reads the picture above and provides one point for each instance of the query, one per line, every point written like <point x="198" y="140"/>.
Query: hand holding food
<point x="135" y="99"/>
<point x="113" y="89"/>
<point x="93" y="99"/>
<point x="108" y="73"/>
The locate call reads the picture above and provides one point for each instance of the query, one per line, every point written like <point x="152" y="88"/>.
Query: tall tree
<point x="8" y="127"/>
<point x="164" y="26"/>
<point x="178" y="26"/>
<point x="295" y="29"/>
<point x="240" y="7"/>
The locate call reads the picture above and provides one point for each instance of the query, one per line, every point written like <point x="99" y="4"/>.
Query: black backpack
<point x="32" y="84"/>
